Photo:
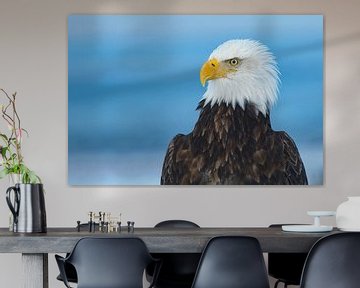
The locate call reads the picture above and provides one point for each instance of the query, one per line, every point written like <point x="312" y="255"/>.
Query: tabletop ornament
<point x="25" y="197"/>
<point x="348" y="214"/>
<point x="104" y="222"/>
<point x="315" y="227"/>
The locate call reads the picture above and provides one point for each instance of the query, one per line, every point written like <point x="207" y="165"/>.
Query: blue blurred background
<point x="134" y="84"/>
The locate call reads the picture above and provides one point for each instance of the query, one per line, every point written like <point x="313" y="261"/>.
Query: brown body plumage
<point x="233" y="146"/>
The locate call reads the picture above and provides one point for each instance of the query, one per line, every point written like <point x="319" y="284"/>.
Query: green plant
<point x="11" y="159"/>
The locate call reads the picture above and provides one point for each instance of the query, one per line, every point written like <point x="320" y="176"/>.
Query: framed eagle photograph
<point x="195" y="100"/>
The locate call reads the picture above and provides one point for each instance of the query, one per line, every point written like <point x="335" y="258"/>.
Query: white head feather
<point x="255" y="81"/>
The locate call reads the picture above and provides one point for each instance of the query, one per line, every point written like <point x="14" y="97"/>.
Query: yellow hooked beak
<point x="212" y="69"/>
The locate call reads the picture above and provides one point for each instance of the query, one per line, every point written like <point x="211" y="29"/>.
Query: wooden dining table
<point x="35" y="247"/>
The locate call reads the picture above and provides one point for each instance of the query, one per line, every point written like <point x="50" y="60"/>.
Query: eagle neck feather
<point x="221" y="123"/>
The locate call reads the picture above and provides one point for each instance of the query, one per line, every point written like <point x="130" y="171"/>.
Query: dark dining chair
<point x="333" y="262"/>
<point x="178" y="269"/>
<point x="108" y="263"/>
<point x="286" y="267"/>
<point x="232" y="262"/>
<point x="70" y="271"/>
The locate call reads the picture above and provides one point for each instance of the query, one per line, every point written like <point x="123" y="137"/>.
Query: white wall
<point x="33" y="62"/>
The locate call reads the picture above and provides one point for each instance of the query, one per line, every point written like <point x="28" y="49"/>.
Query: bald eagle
<point x="233" y="142"/>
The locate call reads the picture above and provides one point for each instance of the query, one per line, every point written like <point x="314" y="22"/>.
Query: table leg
<point x="35" y="270"/>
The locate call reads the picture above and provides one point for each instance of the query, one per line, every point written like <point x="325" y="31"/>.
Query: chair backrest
<point x="110" y="262"/>
<point x="178" y="269"/>
<point x="176" y="224"/>
<point x="333" y="262"/>
<point x="232" y="262"/>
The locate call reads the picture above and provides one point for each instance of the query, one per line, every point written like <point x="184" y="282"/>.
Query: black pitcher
<point x="28" y="207"/>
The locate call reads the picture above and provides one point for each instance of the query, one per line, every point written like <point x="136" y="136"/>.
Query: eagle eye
<point x="234" y="61"/>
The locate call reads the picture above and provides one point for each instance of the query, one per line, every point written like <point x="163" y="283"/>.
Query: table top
<point x="158" y="240"/>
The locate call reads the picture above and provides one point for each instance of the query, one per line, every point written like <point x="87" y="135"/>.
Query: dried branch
<point x="12" y="159"/>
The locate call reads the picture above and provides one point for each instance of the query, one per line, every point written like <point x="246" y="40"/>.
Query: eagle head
<point x="241" y="71"/>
